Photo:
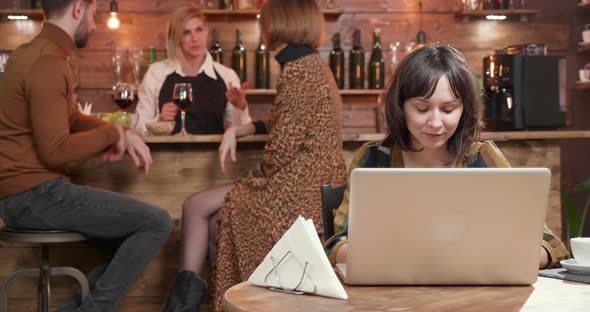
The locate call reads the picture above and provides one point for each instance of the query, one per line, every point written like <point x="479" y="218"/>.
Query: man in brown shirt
<point x="41" y="131"/>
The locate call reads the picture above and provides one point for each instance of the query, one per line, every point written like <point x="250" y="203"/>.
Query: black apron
<point x="205" y="115"/>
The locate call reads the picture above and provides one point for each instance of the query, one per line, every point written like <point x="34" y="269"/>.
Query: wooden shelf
<point x="582" y="85"/>
<point x="31" y="13"/>
<point x="583" y="46"/>
<point x="272" y="92"/>
<point x="245" y="12"/>
<point x="329" y="13"/>
<point x="522" y="13"/>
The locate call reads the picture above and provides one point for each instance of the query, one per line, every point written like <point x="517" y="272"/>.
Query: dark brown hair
<point x="55" y="8"/>
<point x="295" y="22"/>
<point x="417" y="76"/>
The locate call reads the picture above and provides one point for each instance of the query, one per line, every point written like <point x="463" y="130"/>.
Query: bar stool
<point x="45" y="271"/>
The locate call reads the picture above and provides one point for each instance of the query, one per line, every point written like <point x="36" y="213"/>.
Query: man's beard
<point x="82" y="34"/>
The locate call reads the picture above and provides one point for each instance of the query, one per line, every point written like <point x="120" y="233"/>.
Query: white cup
<point x="584" y="74"/>
<point x="586" y="35"/>
<point x="581" y="250"/>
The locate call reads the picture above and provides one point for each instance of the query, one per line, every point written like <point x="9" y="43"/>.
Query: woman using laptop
<point x="434" y="118"/>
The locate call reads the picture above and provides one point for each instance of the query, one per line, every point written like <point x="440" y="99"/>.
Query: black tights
<point x="199" y="223"/>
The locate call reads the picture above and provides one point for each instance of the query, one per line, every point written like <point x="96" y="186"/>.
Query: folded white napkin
<point x="86" y="110"/>
<point x="300" y="244"/>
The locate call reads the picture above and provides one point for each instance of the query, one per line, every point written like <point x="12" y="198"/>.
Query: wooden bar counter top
<point x="495" y="136"/>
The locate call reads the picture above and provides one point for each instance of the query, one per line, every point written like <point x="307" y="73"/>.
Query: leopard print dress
<point x="303" y="152"/>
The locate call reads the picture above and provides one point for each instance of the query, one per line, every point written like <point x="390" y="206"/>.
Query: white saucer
<point x="571" y="266"/>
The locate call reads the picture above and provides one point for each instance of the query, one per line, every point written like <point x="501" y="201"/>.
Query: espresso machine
<point x="522" y="92"/>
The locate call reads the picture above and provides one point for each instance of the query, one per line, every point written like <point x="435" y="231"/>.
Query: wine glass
<point x="183" y="98"/>
<point x="123" y="97"/>
<point x="137" y="61"/>
<point x="395" y="57"/>
<point x="118" y="63"/>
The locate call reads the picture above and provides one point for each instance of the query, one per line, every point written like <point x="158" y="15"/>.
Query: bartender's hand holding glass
<point x="168" y="112"/>
<point x="131" y="142"/>
<point x="183" y="98"/>
<point x="237" y="96"/>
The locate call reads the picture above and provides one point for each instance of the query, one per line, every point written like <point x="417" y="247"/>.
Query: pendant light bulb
<point x="421" y="36"/>
<point x="113" y="21"/>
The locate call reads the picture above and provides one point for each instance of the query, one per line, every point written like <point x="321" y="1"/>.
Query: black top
<point x="205" y="115"/>
<point x="293" y="52"/>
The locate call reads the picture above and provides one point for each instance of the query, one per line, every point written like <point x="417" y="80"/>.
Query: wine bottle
<point x="225" y="4"/>
<point x="357" y="63"/>
<point x="337" y="61"/>
<point x="216" y="51"/>
<point x="262" y="66"/>
<point x="376" y="63"/>
<point x="152" y="55"/>
<point x="239" y="57"/>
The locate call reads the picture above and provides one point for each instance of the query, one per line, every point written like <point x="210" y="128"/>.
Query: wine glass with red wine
<point x="183" y="98"/>
<point x="123" y="97"/>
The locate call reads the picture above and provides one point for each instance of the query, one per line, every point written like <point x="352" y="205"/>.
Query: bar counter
<point x="495" y="136"/>
<point x="184" y="165"/>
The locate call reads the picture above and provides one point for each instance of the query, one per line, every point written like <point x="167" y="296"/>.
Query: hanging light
<point x="113" y="22"/>
<point x="17" y="17"/>
<point x="421" y="36"/>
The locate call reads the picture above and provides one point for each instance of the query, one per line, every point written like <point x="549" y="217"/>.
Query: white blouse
<point x="149" y="91"/>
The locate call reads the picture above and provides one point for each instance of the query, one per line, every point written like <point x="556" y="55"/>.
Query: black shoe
<point x="186" y="294"/>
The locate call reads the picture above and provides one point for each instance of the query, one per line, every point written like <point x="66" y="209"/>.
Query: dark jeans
<point x="140" y="229"/>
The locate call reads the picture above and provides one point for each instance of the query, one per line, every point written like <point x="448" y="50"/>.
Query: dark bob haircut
<point x="417" y="75"/>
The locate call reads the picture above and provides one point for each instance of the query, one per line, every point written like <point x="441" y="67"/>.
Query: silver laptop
<point x="445" y="226"/>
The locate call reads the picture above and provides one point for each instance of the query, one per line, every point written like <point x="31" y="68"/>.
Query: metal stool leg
<point x="9" y="280"/>
<point x="57" y="271"/>
<point x="75" y="273"/>
<point x="44" y="288"/>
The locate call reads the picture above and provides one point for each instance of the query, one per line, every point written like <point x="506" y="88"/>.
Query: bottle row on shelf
<point x="358" y="73"/>
<point x="491" y="4"/>
<point x="20" y="4"/>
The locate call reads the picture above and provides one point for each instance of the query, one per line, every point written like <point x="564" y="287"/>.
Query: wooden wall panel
<point x="143" y="25"/>
<point x="13" y="34"/>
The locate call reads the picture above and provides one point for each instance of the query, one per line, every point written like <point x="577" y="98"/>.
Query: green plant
<point x="574" y="218"/>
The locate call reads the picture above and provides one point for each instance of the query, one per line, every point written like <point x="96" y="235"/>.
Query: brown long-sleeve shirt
<point x="40" y="128"/>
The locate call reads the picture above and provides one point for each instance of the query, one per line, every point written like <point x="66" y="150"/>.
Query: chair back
<point x="331" y="198"/>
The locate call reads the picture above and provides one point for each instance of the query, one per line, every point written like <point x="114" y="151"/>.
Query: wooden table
<point x="545" y="295"/>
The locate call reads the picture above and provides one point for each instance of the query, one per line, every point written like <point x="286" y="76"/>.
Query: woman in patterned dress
<point x="303" y="151"/>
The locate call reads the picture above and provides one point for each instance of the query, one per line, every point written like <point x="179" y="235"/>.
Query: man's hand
<point x="228" y="145"/>
<point x="117" y="150"/>
<point x="237" y="97"/>
<point x="168" y="112"/>
<point x="138" y="150"/>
